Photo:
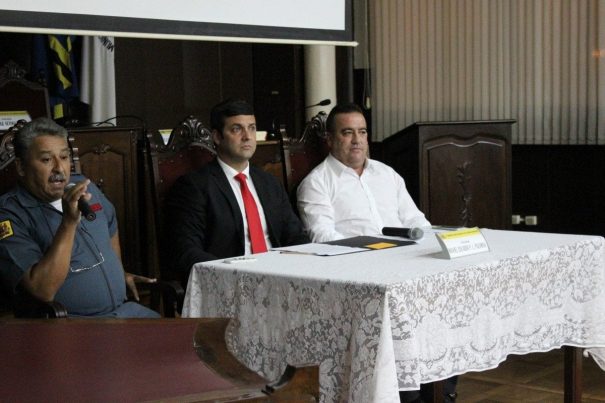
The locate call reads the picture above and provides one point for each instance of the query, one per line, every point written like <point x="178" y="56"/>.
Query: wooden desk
<point x="119" y="361"/>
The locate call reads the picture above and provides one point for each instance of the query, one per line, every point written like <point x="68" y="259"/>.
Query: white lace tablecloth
<point x="388" y="320"/>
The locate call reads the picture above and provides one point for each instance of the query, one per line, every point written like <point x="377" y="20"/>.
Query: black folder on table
<point x="370" y="242"/>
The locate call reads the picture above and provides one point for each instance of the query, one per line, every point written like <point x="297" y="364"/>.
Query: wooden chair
<point x="19" y="94"/>
<point x="25" y="305"/>
<point x="305" y="153"/>
<point x="189" y="147"/>
<point x="110" y="158"/>
<point x="8" y="177"/>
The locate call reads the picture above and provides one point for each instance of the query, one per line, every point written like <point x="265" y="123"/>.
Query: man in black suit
<point x="207" y="215"/>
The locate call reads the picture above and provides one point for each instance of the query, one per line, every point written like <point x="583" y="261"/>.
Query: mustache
<point x="56" y="178"/>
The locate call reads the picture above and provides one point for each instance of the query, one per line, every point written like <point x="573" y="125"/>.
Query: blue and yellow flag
<point x="54" y="64"/>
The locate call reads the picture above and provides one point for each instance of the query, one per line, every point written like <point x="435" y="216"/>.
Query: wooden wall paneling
<point x="161" y="81"/>
<point x="278" y="86"/>
<point x="235" y="71"/>
<point x="149" y="81"/>
<point x="560" y="184"/>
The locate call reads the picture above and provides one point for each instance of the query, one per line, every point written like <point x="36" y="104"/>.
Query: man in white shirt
<point x="349" y="194"/>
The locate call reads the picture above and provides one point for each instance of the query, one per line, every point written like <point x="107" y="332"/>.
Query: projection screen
<point x="272" y="21"/>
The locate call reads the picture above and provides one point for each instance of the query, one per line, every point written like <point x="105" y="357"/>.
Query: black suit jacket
<point x="203" y="220"/>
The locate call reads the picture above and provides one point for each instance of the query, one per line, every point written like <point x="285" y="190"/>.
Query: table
<point x="388" y="320"/>
<point x="120" y="360"/>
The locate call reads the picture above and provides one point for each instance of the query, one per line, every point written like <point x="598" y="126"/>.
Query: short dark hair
<point x="30" y="131"/>
<point x="226" y="109"/>
<point x="338" y="109"/>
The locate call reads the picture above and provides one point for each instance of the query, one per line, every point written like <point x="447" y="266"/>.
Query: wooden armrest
<point x="295" y="385"/>
<point x="171" y="293"/>
<point x="210" y="346"/>
<point x="26" y="305"/>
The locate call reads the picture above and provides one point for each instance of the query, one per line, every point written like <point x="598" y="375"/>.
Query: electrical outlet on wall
<point x="517" y="219"/>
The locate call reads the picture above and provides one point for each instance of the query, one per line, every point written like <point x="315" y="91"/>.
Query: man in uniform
<point x="46" y="247"/>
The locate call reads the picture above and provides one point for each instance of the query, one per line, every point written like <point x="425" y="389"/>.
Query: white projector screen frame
<point x="274" y="21"/>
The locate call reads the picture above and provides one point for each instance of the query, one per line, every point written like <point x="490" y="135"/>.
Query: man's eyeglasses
<point x="79" y="269"/>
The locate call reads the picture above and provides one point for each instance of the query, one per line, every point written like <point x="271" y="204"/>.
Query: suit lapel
<point x="225" y="188"/>
<point x="261" y="188"/>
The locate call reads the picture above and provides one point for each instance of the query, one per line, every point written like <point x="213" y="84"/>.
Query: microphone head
<point x="415" y="233"/>
<point x="324" y="102"/>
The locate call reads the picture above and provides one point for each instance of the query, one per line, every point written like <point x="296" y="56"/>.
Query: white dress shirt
<point x="235" y="185"/>
<point x="334" y="202"/>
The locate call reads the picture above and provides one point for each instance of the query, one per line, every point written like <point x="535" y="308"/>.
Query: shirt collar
<point x="339" y="168"/>
<point x="230" y="172"/>
<point x="25" y="198"/>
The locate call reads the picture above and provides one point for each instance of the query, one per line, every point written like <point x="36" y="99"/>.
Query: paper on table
<point x="319" y="249"/>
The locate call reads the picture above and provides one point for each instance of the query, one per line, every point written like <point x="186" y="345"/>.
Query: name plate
<point x="464" y="242"/>
<point x="9" y="118"/>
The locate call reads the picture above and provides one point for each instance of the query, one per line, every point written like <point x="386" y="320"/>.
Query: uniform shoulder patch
<point x="6" y="229"/>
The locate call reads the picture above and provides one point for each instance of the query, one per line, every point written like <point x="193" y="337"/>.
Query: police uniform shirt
<point x="95" y="282"/>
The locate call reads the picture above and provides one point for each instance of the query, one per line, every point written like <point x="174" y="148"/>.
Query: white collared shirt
<point x="58" y="204"/>
<point x="235" y="186"/>
<point x="334" y="202"/>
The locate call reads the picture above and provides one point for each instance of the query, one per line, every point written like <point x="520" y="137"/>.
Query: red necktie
<point x="257" y="236"/>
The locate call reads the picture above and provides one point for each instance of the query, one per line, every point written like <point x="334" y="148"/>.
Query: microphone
<point x="325" y="102"/>
<point x="410" y="233"/>
<point x="83" y="206"/>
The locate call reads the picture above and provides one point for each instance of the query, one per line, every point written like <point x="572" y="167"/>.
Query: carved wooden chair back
<point x="19" y="94"/>
<point x="305" y="153"/>
<point x="189" y="147"/>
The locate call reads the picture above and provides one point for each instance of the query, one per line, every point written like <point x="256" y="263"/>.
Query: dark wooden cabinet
<point x="109" y="157"/>
<point x="458" y="173"/>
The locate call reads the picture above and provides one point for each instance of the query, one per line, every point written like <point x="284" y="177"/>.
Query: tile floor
<point x="529" y="378"/>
